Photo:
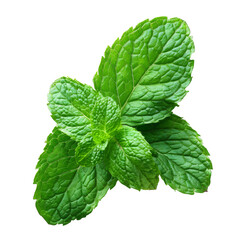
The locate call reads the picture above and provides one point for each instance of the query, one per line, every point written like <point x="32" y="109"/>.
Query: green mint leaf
<point x="129" y="159"/>
<point x="105" y="119"/>
<point x="147" y="70"/>
<point x="66" y="191"/>
<point x="88" y="153"/>
<point x="182" y="160"/>
<point x="71" y="103"/>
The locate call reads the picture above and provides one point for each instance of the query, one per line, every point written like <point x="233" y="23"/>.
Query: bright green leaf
<point x="182" y="160"/>
<point x="88" y="153"/>
<point x="71" y="103"/>
<point x="105" y="119"/>
<point x="147" y="70"/>
<point x="66" y="191"/>
<point x="129" y="159"/>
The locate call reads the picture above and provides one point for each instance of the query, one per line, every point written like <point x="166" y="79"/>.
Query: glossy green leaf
<point x="66" y="191"/>
<point x="182" y="160"/>
<point x="147" y="70"/>
<point x="129" y="159"/>
<point x="105" y="119"/>
<point x="71" y="104"/>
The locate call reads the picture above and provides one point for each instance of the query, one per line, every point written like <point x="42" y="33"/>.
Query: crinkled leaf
<point x="105" y="119"/>
<point x="129" y="159"/>
<point x="88" y="153"/>
<point x="182" y="160"/>
<point x="71" y="103"/>
<point x="147" y="70"/>
<point x="66" y="191"/>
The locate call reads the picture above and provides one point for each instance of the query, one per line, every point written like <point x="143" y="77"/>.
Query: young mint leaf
<point x="182" y="160"/>
<point x="129" y="159"/>
<point x="147" y="70"/>
<point x="66" y="191"/>
<point x="88" y="153"/>
<point x="71" y="103"/>
<point x="105" y="119"/>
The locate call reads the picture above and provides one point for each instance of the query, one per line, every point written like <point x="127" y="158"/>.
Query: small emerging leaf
<point x="129" y="159"/>
<point x="88" y="153"/>
<point x="105" y="119"/>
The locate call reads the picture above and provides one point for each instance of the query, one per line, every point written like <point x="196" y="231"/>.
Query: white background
<point x="43" y="40"/>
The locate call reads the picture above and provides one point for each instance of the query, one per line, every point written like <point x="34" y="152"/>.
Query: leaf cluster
<point x="124" y="130"/>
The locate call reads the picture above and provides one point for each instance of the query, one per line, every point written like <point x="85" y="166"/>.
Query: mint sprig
<point x="140" y="80"/>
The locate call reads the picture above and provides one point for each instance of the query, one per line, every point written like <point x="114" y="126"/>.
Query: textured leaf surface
<point x="65" y="191"/>
<point x="71" y="103"/>
<point x="147" y="70"/>
<point x="129" y="159"/>
<point x="88" y="153"/>
<point x="182" y="160"/>
<point x="105" y="119"/>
